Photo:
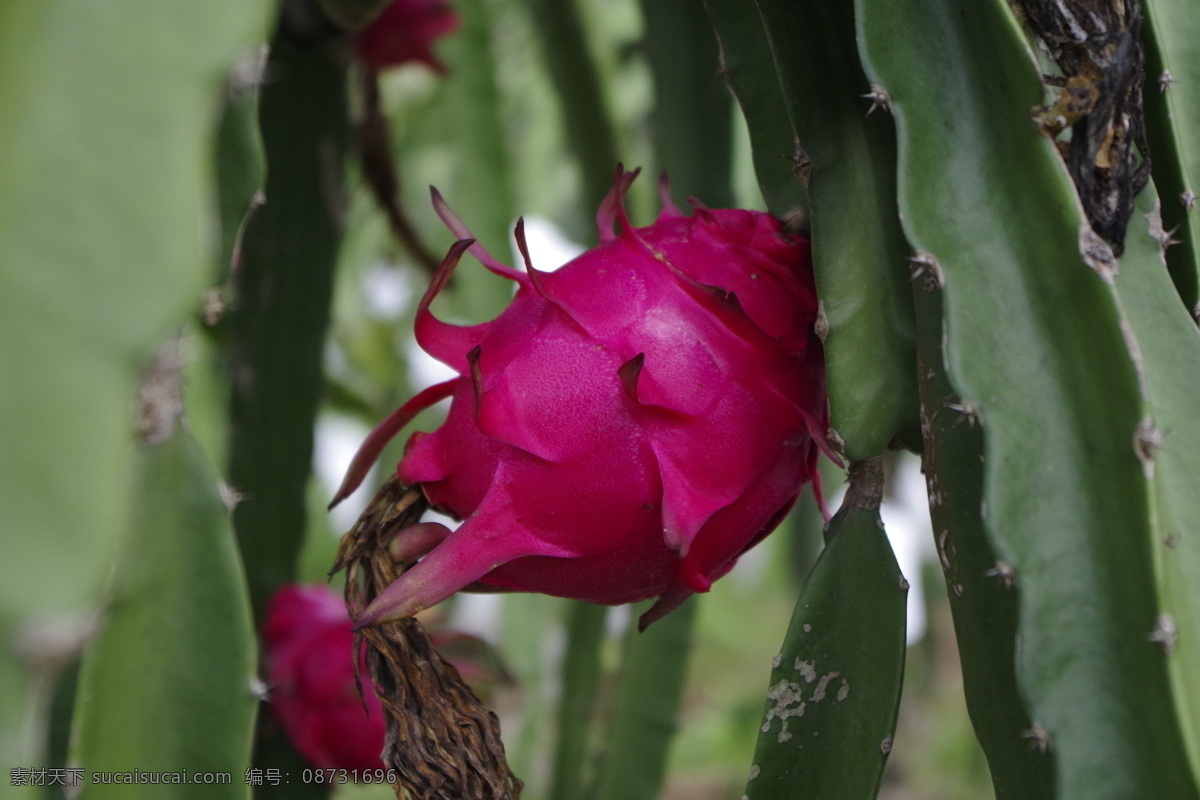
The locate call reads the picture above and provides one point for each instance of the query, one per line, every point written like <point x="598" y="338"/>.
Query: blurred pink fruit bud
<point x="405" y="31"/>
<point x="310" y="664"/>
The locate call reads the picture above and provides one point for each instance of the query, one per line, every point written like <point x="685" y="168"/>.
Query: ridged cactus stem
<point x="835" y="685"/>
<point x="1172" y="119"/>
<point x="282" y="291"/>
<point x="844" y="159"/>
<point x="684" y="61"/>
<point x="983" y="590"/>
<point x="581" y="671"/>
<point x="1034" y="336"/>
<point x="646" y="711"/>
<point x="1168" y="441"/>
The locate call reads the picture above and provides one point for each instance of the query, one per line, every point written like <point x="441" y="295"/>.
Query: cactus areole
<point x="630" y="424"/>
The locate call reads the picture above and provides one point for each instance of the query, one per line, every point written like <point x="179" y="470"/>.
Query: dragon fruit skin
<point x="311" y="676"/>
<point x="628" y="426"/>
<point x="405" y="31"/>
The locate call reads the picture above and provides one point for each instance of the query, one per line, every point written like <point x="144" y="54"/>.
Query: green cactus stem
<point x="835" y="685"/>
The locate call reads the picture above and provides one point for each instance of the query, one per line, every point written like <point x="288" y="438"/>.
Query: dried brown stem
<point x="442" y="743"/>
<point x="379" y="171"/>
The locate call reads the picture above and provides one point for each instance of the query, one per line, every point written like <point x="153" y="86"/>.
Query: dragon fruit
<point x="628" y="427"/>
<point x="311" y="676"/>
<point x="405" y="31"/>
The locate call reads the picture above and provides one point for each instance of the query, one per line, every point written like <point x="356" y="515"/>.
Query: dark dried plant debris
<point x="441" y="741"/>
<point x="1097" y="46"/>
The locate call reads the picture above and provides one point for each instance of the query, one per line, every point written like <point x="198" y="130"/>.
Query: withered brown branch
<point x="442" y="743"/>
<point x="379" y="171"/>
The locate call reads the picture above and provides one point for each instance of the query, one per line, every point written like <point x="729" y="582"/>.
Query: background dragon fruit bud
<point x="312" y="683"/>
<point x="628" y="426"/>
<point x="405" y="31"/>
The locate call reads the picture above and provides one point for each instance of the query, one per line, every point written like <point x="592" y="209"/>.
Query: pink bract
<point x="630" y="424"/>
<point x="405" y="31"/>
<point x="312" y="690"/>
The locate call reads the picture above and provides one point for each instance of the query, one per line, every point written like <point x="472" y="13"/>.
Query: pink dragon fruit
<point x="313" y="692"/>
<point x="405" y="31"/>
<point x="627" y="427"/>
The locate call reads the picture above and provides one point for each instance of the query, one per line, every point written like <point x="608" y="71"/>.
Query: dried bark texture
<point x="1097" y="45"/>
